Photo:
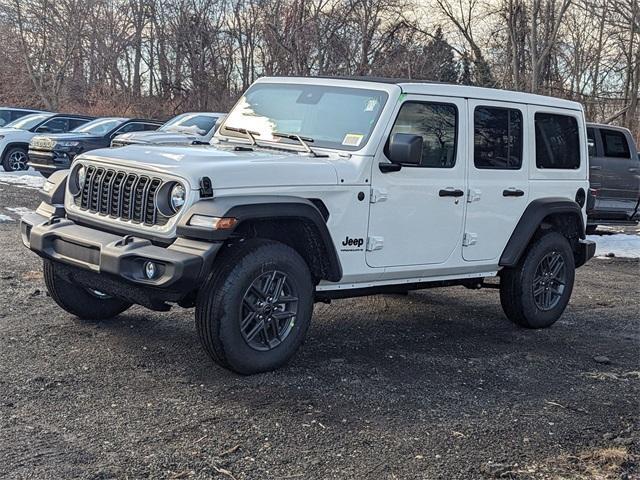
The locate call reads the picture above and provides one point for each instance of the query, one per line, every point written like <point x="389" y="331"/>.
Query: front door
<point x="498" y="177"/>
<point x="417" y="212"/>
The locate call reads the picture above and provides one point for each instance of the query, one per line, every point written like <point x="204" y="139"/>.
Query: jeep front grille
<point x="122" y="195"/>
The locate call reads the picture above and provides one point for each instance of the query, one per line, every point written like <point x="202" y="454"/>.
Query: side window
<point x="437" y="123"/>
<point x="591" y="141"/>
<point x="76" y="122"/>
<point x="557" y="141"/>
<point x="615" y="144"/>
<point x="5" y="117"/>
<point x="497" y="138"/>
<point x="55" y="125"/>
<point x="131" y="127"/>
<point x="150" y="126"/>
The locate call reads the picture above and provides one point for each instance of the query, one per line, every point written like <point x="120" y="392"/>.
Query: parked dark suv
<point x="48" y="153"/>
<point x="614" y="176"/>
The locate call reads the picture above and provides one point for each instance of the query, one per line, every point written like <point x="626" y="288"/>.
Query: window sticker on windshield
<point x="352" y="139"/>
<point x="372" y="103"/>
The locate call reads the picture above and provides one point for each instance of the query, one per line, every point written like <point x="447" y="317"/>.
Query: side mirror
<point x="405" y="149"/>
<point x="43" y="129"/>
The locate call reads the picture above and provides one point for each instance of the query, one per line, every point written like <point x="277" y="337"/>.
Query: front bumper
<point x="586" y="251"/>
<point x="117" y="263"/>
<point x="50" y="160"/>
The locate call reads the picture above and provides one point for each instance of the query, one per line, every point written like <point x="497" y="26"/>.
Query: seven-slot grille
<point x="122" y="195"/>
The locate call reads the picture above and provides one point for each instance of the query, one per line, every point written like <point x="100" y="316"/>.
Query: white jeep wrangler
<point x="319" y="189"/>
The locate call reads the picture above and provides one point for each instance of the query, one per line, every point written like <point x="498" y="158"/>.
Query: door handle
<point x="450" y="192"/>
<point x="634" y="170"/>
<point x="512" y="192"/>
<point x="595" y="167"/>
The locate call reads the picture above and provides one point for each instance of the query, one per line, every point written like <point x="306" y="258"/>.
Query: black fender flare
<point x="261" y="207"/>
<point x="529" y="222"/>
<point x="8" y="146"/>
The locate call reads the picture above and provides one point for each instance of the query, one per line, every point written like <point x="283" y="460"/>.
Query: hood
<point x="225" y="167"/>
<point x="69" y="136"/>
<point x="155" y="137"/>
<point x="6" y="130"/>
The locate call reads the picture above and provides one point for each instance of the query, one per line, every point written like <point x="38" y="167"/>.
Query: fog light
<point x="150" y="270"/>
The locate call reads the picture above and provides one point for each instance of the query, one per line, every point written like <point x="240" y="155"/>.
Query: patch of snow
<point x="6" y="218"/>
<point x="620" y="244"/>
<point x="25" y="179"/>
<point x="22" y="211"/>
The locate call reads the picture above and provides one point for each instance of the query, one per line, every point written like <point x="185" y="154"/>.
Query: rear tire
<point x="254" y="311"/>
<point x="15" y="159"/>
<point x="78" y="300"/>
<point x="535" y="292"/>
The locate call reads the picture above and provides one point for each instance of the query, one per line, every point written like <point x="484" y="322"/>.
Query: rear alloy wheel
<point x="549" y="281"/>
<point x="535" y="293"/>
<point x="15" y="159"/>
<point x="253" y="313"/>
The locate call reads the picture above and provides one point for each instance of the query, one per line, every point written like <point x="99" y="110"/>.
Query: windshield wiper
<point x="251" y="135"/>
<point x="304" y="141"/>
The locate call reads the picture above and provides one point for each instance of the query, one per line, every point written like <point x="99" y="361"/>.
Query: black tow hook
<point x="124" y="241"/>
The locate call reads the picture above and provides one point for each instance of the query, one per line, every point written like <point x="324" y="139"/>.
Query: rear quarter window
<point x="557" y="141"/>
<point x="615" y="144"/>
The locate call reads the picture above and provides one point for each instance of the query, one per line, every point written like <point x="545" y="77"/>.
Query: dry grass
<point x="598" y="464"/>
<point x="32" y="275"/>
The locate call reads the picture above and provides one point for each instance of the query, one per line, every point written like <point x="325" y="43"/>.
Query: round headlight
<point x="177" y="197"/>
<point x="82" y="175"/>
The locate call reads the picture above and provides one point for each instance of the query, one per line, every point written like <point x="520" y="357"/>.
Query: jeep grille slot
<point x="122" y="195"/>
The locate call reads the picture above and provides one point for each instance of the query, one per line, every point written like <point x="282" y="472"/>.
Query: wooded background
<point x="160" y="57"/>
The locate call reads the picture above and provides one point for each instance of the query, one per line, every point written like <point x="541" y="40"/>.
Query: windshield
<point x="333" y="117"/>
<point x="190" y="123"/>
<point x="28" y="122"/>
<point x="101" y="126"/>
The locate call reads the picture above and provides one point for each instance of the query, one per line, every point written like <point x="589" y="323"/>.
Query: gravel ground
<point x="437" y="384"/>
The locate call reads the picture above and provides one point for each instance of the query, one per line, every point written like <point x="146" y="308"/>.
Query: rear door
<point x="498" y="177"/>
<point x="620" y="173"/>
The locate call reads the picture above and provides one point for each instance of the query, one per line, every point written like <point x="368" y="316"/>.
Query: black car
<point x="48" y="153"/>
<point x="16" y="135"/>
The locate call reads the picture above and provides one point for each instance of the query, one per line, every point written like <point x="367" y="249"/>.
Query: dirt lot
<point x="434" y="385"/>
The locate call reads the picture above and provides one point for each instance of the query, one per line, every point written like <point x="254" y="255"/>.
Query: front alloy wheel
<point x="254" y="311"/>
<point x="16" y="159"/>
<point x="269" y="310"/>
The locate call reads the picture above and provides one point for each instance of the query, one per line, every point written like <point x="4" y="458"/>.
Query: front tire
<point x="535" y="293"/>
<point x="253" y="313"/>
<point x="15" y="159"/>
<point x="79" y="301"/>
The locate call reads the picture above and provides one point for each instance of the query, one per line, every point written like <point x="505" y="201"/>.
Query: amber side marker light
<point x="216" y="223"/>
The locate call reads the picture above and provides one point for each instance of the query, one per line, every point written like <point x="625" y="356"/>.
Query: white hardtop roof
<point x="424" y="87"/>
